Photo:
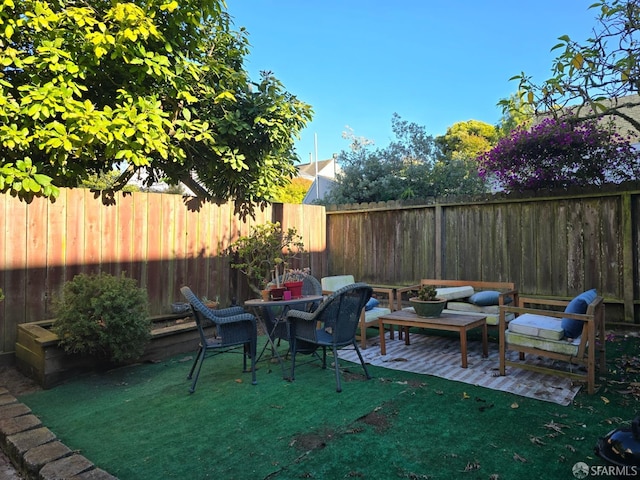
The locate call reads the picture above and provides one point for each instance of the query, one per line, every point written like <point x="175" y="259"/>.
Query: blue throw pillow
<point x="371" y="304"/>
<point x="573" y="328"/>
<point x="487" y="298"/>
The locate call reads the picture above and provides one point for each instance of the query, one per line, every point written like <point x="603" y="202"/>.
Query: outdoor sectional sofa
<point x="467" y="297"/>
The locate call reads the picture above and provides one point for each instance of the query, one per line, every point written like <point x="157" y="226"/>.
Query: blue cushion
<point x="573" y="328"/>
<point x="371" y="304"/>
<point x="487" y="298"/>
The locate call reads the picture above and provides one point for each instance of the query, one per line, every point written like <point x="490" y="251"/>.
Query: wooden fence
<point x="157" y="239"/>
<point x="549" y="245"/>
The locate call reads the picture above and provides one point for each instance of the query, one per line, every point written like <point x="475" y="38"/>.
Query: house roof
<point x="628" y="105"/>
<point x="326" y="168"/>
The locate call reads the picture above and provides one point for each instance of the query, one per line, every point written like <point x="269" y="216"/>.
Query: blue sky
<point x="434" y="63"/>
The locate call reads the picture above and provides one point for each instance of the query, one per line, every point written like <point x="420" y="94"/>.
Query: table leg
<point x="383" y="346"/>
<point x="463" y="346"/>
<point x="262" y="318"/>
<point x="485" y="342"/>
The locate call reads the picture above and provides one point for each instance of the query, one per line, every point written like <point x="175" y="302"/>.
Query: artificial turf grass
<point x="139" y="422"/>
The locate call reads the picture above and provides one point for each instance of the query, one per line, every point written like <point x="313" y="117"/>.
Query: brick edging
<point x="35" y="451"/>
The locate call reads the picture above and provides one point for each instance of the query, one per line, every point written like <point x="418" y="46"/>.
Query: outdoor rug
<point x="440" y="356"/>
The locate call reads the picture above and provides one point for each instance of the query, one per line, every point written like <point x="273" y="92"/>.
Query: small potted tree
<point x="263" y="254"/>
<point x="426" y="302"/>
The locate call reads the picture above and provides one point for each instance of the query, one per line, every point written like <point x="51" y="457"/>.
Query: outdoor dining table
<point x="272" y="315"/>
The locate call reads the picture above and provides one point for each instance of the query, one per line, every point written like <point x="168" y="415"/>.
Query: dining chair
<point x="235" y="329"/>
<point x="332" y="325"/>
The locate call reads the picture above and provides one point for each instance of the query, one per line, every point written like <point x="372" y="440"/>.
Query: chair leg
<point x="200" y="362"/>
<point x="503" y="351"/>
<point x="254" y="349"/>
<point x="195" y="360"/>
<point x="364" y="366"/>
<point x="337" y="367"/>
<point x="293" y="358"/>
<point x="246" y="351"/>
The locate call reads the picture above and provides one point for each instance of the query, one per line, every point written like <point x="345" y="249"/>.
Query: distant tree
<point x="409" y="167"/>
<point x="105" y="181"/>
<point x="293" y="192"/>
<point x="467" y="140"/>
<point x="159" y="86"/>
<point x="560" y="153"/>
<point x="516" y="112"/>
<point x="593" y="76"/>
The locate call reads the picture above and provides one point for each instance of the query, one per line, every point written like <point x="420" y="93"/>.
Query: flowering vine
<point x="560" y="153"/>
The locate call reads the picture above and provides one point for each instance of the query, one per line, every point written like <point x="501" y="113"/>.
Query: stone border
<point x="35" y="451"/>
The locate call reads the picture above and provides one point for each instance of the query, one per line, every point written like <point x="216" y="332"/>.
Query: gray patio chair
<point x="333" y="324"/>
<point x="234" y="328"/>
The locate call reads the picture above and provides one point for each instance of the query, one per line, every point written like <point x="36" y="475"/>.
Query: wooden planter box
<point x="39" y="357"/>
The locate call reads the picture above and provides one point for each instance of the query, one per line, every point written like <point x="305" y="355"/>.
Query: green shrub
<point x="103" y="316"/>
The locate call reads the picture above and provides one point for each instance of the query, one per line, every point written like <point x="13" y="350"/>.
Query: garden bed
<point x="39" y="357"/>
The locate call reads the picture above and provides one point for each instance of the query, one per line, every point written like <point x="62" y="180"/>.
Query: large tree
<point x="156" y="85"/>
<point x="597" y="77"/>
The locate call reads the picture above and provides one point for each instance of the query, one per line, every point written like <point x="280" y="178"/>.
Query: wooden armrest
<point x="523" y="301"/>
<point x="509" y="293"/>
<point x="388" y="292"/>
<point x="547" y="313"/>
<point x="400" y="291"/>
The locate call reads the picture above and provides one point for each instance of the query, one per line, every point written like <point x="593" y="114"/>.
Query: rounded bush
<point x="103" y="316"/>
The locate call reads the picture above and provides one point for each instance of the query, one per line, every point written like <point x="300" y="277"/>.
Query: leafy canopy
<point x="156" y="85"/>
<point x="596" y="74"/>
<point x="560" y="153"/>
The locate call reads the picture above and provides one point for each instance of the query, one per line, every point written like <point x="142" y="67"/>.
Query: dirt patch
<point x="312" y="441"/>
<point x="16" y="383"/>
<point x="377" y="420"/>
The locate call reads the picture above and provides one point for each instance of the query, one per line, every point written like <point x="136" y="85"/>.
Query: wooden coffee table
<point x="447" y="321"/>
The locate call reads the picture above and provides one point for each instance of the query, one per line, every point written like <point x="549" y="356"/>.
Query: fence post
<point x="628" y="280"/>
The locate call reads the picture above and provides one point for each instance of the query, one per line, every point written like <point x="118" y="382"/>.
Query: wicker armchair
<point x="234" y="328"/>
<point x="333" y="324"/>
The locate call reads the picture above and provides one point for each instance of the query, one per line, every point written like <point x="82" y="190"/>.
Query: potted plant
<point x="426" y="302"/>
<point x="293" y="279"/>
<point x="262" y="254"/>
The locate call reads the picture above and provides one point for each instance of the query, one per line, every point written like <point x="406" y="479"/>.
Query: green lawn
<point x="140" y="422"/>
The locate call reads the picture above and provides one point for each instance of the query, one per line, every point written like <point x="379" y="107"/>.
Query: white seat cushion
<point x="372" y="315"/>
<point x="454" y="293"/>
<point x="492" y="319"/>
<point x="470" y="307"/>
<point x="540" y="326"/>
<point x="559" y="346"/>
